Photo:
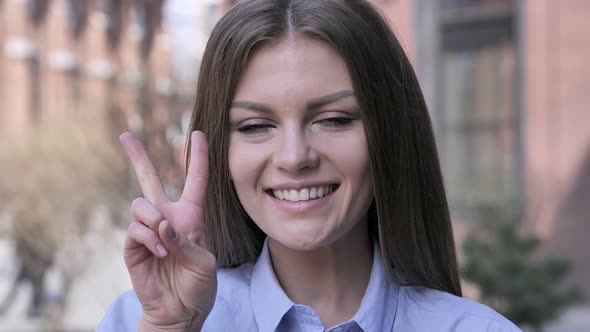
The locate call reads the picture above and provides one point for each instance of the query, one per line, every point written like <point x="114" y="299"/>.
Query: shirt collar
<point x="379" y="304"/>
<point x="270" y="303"/>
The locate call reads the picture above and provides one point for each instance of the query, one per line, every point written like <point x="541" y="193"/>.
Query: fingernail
<point x="196" y="133"/>
<point x="170" y="231"/>
<point x="161" y="250"/>
<point x="123" y="135"/>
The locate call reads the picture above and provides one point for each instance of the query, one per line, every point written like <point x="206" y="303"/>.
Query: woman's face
<point x="298" y="156"/>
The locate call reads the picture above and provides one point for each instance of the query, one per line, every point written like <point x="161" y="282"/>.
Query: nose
<point x="295" y="153"/>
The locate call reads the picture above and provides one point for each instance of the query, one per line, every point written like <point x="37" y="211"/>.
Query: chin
<point x="301" y="242"/>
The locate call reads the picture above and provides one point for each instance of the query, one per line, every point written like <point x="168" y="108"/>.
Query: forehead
<point x="293" y="70"/>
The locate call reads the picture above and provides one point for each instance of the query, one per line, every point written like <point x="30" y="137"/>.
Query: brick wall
<point x="90" y="77"/>
<point x="557" y="127"/>
<point x="401" y="17"/>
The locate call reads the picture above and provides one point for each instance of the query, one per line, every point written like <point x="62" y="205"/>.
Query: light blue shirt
<point x="249" y="298"/>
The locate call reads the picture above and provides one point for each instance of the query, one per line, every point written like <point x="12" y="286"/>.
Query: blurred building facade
<point x="504" y="79"/>
<point x="107" y="61"/>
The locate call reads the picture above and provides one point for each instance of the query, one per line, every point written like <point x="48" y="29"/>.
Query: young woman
<point x="314" y="199"/>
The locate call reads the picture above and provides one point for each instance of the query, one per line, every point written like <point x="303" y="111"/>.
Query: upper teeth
<point x="303" y="194"/>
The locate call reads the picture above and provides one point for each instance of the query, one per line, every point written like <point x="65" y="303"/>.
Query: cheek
<point x="349" y="155"/>
<point x="236" y="158"/>
<point x="246" y="164"/>
<point x="232" y="159"/>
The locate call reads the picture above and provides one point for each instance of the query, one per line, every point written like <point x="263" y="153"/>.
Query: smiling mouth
<point x="304" y="194"/>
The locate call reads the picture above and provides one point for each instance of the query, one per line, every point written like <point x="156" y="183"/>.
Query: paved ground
<point x="94" y="289"/>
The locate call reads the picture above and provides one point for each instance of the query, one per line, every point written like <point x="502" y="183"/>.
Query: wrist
<point x="145" y="325"/>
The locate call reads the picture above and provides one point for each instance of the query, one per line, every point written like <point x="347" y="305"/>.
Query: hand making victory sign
<point x="172" y="272"/>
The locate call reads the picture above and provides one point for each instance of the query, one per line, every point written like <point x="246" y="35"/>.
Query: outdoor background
<point x="506" y="82"/>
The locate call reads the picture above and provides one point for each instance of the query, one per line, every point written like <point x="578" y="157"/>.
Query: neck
<point x="331" y="280"/>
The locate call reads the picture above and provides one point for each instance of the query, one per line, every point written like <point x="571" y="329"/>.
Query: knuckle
<point x="208" y="264"/>
<point x="152" y="239"/>
<point x="132" y="227"/>
<point x="185" y="243"/>
<point x="155" y="214"/>
<point x="142" y="234"/>
<point x="136" y="204"/>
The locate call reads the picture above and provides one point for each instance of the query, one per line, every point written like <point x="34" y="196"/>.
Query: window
<point x="76" y="16"/>
<point x="477" y="120"/>
<point x="37" y="10"/>
<point x="113" y="11"/>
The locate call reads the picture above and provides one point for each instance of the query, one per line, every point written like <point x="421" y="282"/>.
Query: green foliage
<point x="500" y="261"/>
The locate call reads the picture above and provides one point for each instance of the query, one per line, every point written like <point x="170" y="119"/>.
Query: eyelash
<point x="259" y="128"/>
<point x="336" y="122"/>
<point x="254" y="128"/>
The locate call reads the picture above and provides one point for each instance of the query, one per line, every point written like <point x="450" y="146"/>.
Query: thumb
<point x="186" y="250"/>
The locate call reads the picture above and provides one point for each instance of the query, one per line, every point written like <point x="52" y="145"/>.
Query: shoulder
<point x="232" y="310"/>
<point x="234" y="282"/>
<point x="122" y="315"/>
<point x="231" y="304"/>
<point x="427" y="309"/>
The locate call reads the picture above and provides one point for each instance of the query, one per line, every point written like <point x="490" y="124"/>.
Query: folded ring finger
<point x="144" y="212"/>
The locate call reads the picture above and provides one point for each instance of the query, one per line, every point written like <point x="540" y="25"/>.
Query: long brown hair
<point x="409" y="217"/>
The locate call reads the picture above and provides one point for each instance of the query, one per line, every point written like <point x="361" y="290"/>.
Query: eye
<point x="336" y="122"/>
<point x="254" y="129"/>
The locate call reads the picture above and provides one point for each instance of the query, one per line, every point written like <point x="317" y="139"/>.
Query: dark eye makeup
<point x="257" y="128"/>
<point x="336" y="122"/>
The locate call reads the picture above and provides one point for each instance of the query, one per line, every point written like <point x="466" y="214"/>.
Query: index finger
<point x="148" y="178"/>
<point x="195" y="187"/>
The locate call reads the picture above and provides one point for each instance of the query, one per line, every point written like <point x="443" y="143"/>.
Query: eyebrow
<point x="311" y="105"/>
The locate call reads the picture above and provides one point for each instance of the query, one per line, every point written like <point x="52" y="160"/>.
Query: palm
<point x="178" y="286"/>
